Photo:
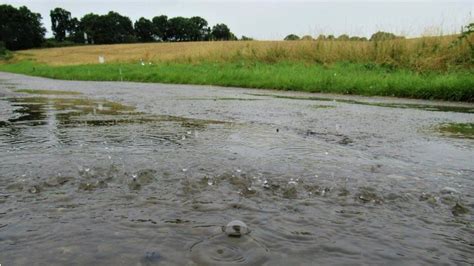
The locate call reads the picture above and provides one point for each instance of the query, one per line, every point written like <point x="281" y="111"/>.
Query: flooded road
<point x="148" y="174"/>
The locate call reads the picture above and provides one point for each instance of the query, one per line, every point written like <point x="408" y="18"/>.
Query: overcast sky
<point x="274" y="19"/>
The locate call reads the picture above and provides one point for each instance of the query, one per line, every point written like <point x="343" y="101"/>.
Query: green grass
<point x="343" y="78"/>
<point x="461" y="130"/>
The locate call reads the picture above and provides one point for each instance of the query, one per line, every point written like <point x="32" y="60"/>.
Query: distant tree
<point x="382" y="36"/>
<point x="144" y="30"/>
<point x="107" y="29"/>
<point x="357" y="38"/>
<point x="245" y="38"/>
<point x="20" y="28"/>
<point x="307" y="38"/>
<point x="76" y="33"/>
<point x="60" y="23"/>
<point x="179" y="29"/>
<point x="199" y="30"/>
<point x="321" y="37"/>
<point x="292" y="37"/>
<point x="121" y="28"/>
<point x="220" y="32"/>
<point x="161" y="26"/>
<point x="343" y="37"/>
<point x="90" y="25"/>
<point x="330" y="37"/>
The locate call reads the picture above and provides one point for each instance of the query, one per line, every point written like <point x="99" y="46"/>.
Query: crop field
<point x="426" y="68"/>
<point x="420" y="54"/>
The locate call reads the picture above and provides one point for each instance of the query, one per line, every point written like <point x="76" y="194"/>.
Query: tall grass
<point x="440" y="54"/>
<point x="427" y="68"/>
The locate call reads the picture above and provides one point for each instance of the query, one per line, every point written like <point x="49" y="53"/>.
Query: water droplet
<point x="266" y="184"/>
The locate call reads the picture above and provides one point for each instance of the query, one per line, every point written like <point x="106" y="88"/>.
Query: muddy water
<point x="148" y="174"/>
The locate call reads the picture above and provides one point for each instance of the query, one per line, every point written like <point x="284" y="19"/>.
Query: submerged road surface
<point x="141" y="174"/>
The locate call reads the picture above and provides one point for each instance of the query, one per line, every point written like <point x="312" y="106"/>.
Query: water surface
<point x="148" y="174"/>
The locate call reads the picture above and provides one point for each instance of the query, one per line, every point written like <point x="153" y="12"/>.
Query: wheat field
<point x="419" y="54"/>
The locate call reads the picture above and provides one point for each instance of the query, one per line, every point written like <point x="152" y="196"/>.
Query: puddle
<point x="458" y="130"/>
<point x="425" y="107"/>
<point x="48" y="92"/>
<point x="101" y="182"/>
<point x="36" y="111"/>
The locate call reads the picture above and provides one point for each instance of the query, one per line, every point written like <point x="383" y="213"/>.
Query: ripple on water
<point x="224" y="250"/>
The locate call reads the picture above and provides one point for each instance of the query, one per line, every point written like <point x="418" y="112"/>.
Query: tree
<point x="106" y="29"/>
<point x="330" y="37"/>
<point x="321" y="37"/>
<point x="357" y="38"/>
<point x="245" y="38"/>
<point x="179" y="29"/>
<point x="161" y="25"/>
<point x="60" y="23"/>
<point x="89" y="25"/>
<point x="220" y="32"/>
<point x="343" y="37"/>
<point x="20" y="28"/>
<point x="199" y="30"/>
<point x="144" y="30"/>
<point x="382" y="36"/>
<point x="76" y="34"/>
<point x="307" y="38"/>
<point x="292" y="37"/>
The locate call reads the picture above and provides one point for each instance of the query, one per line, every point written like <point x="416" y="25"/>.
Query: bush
<point x="4" y="53"/>
<point x="52" y="43"/>
<point x="292" y="37"/>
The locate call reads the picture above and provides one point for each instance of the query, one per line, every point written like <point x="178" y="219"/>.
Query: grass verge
<point x="343" y="78"/>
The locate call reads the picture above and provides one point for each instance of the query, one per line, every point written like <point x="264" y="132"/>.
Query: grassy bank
<point x="346" y="78"/>
<point x="443" y="53"/>
<point x="427" y="68"/>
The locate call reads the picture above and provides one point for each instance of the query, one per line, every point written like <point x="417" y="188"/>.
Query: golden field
<point x="419" y="54"/>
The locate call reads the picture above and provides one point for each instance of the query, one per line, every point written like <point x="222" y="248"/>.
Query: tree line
<point x="116" y="28"/>
<point x="378" y="36"/>
<point x="21" y="28"/>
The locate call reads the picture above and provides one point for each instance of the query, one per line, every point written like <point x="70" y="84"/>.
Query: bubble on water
<point x="292" y="182"/>
<point x="34" y="189"/>
<point x="266" y="184"/>
<point x="189" y="132"/>
<point x="184" y="170"/>
<point x="236" y="228"/>
<point x="327" y="153"/>
<point x="238" y="170"/>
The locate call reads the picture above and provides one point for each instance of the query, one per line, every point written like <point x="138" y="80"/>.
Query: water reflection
<point x="58" y="114"/>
